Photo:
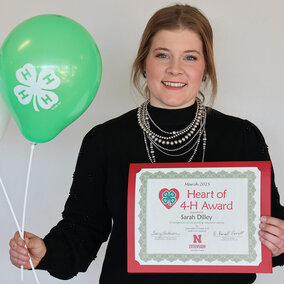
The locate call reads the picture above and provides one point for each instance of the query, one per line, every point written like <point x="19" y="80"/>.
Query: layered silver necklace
<point x="173" y="143"/>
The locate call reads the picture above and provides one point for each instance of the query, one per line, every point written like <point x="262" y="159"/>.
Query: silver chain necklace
<point x="173" y="143"/>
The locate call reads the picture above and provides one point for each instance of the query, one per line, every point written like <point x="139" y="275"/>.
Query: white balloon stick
<point x="18" y="226"/>
<point x="27" y="186"/>
<point x="26" y="197"/>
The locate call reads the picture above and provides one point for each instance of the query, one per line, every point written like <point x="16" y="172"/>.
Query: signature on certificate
<point x="165" y="235"/>
<point x="229" y="235"/>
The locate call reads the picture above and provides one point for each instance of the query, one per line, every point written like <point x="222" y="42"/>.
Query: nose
<point x="175" y="67"/>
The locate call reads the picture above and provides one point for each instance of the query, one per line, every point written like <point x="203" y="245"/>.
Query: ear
<point x="205" y="73"/>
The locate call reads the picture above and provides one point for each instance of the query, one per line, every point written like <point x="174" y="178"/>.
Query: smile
<point x="172" y="84"/>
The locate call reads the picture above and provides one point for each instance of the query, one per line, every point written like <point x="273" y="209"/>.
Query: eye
<point x="190" y="58"/>
<point x="161" y="55"/>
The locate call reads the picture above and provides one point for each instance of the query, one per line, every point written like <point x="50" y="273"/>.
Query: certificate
<point x="198" y="217"/>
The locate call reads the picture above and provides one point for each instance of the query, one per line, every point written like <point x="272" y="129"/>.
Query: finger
<point x="274" y="250"/>
<point x="15" y="262"/>
<point x="19" y="249"/>
<point x="18" y="262"/>
<point x="28" y="235"/>
<point x="272" y="221"/>
<point x="276" y="231"/>
<point x="14" y="245"/>
<point x="29" y="239"/>
<point x="275" y="241"/>
<point x="19" y="240"/>
<point x="17" y="255"/>
<point x="17" y="237"/>
<point x="34" y="242"/>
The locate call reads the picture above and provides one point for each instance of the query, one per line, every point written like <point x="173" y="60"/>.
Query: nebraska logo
<point x="197" y="243"/>
<point x="197" y="239"/>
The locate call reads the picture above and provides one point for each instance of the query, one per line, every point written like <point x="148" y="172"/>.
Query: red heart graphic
<point x="169" y="197"/>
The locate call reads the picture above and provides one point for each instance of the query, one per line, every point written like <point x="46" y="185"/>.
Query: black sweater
<point x="97" y="205"/>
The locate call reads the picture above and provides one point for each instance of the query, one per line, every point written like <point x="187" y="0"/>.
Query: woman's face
<point x="174" y="68"/>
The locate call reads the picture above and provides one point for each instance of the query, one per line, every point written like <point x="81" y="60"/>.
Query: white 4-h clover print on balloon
<point x="37" y="90"/>
<point x="50" y="71"/>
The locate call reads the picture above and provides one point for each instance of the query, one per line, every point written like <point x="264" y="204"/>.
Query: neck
<point x="172" y="119"/>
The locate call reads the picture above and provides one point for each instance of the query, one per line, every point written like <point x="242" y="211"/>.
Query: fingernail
<point x="261" y="226"/>
<point x="263" y="219"/>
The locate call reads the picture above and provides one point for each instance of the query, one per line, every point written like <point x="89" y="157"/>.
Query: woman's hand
<point x="272" y="234"/>
<point x="19" y="255"/>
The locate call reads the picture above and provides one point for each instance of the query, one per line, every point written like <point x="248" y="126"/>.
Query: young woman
<point x="174" y="60"/>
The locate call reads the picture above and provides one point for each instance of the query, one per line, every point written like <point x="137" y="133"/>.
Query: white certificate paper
<point x="197" y="217"/>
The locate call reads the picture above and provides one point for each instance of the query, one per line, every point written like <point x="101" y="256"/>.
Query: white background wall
<point x="249" y="47"/>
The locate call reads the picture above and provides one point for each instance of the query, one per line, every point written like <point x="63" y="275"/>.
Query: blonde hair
<point x="172" y="18"/>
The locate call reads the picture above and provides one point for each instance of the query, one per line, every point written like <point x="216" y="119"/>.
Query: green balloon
<point x="50" y="71"/>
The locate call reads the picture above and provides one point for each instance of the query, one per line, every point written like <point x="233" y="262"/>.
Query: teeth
<point x="174" y="84"/>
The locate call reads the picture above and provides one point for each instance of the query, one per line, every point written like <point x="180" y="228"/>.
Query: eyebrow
<point x="186" y="51"/>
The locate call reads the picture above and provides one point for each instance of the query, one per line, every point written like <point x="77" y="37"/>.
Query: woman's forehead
<point x="183" y="39"/>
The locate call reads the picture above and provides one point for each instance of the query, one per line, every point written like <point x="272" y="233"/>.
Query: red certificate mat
<point x="198" y="217"/>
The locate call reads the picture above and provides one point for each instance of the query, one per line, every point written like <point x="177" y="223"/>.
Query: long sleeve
<point x="74" y="242"/>
<point x="257" y="150"/>
<point x="98" y="197"/>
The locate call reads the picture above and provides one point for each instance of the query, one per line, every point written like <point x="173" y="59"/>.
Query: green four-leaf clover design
<point x="169" y="197"/>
